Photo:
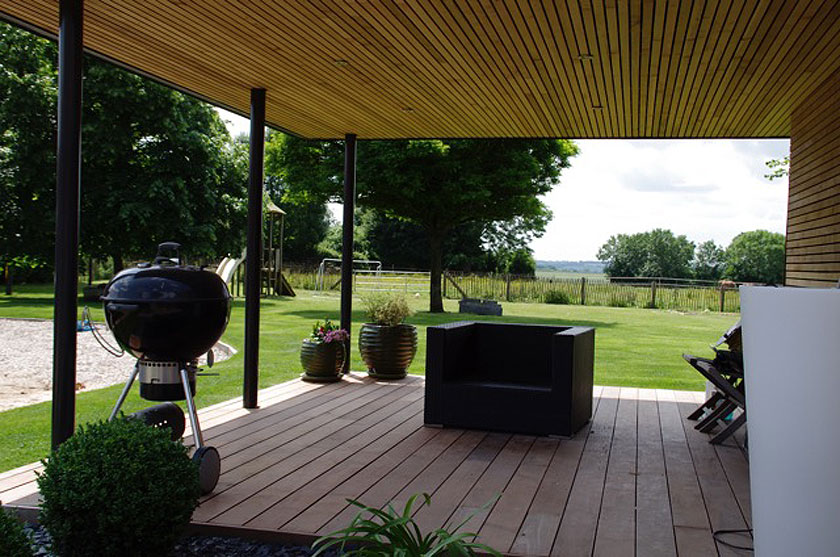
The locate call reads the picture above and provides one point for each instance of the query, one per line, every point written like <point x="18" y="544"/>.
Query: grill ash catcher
<point x="166" y="314"/>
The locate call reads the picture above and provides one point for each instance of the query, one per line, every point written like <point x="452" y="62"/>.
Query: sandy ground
<point x="26" y="362"/>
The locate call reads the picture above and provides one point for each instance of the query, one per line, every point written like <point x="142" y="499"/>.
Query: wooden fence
<point x="661" y="293"/>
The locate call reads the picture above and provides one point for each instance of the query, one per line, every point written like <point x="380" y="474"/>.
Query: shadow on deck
<point x="638" y="479"/>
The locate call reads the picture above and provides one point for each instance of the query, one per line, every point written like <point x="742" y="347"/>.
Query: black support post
<point x="68" y="180"/>
<point x="254" y="253"/>
<point x="347" y="239"/>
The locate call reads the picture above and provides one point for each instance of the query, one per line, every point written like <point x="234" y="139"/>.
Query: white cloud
<point x="705" y="189"/>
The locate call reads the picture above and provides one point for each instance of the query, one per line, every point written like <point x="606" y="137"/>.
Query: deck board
<point x="638" y="479"/>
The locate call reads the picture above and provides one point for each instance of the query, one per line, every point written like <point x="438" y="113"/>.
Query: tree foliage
<point x="756" y="256"/>
<point x="778" y="168"/>
<point x="28" y="96"/>
<point x="156" y="165"/>
<point x="440" y="185"/>
<point x="709" y="261"/>
<point x="658" y="253"/>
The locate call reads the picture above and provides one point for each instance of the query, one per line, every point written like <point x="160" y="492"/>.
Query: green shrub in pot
<point x="117" y="487"/>
<point x="386" y="343"/>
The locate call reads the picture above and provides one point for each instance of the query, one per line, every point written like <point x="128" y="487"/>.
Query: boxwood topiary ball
<point x="117" y="488"/>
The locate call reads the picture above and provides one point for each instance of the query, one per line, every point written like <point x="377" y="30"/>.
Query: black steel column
<point x="347" y="239"/>
<point x="254" y="254"/>
<point x="68" y="181"/>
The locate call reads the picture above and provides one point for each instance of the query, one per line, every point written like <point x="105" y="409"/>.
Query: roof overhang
<point x="512" y="68"/>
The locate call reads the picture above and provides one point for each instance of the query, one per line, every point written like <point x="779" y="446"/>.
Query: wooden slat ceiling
<point x="479" y="68"/>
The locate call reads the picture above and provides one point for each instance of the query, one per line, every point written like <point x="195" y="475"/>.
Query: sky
<point x="703" y="189"/>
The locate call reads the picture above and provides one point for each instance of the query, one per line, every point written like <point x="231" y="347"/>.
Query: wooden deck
<point x="637" y="480"/>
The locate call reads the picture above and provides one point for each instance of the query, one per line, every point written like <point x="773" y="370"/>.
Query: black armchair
<point x="519" y="378"/>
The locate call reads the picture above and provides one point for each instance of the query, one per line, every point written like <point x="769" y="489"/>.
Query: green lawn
<point x="634" y="347"/>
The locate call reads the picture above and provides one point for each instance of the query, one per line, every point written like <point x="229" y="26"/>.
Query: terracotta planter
<point x="387" y="351"/>
<point x="322" y="362"/>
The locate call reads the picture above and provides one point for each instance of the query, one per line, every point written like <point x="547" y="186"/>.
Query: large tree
<point x="307" y="221"/>
<point x="440" y="185"/>
<point x="756" y="256"/>
<point x="27" y="148"/>
<point x="708" y="261"/>
<point x="157" y="165"/>
<point x="658" y="253"/>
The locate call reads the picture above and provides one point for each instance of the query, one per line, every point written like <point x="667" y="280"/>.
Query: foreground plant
<point x="387" y="533"/>
<point x="117" y="488"/>
<point x="13" y="540"/>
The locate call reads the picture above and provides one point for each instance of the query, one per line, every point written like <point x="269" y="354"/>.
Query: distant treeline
<point x="593" y="267"/>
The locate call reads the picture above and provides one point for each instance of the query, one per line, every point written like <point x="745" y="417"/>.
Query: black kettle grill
<point x="167" y="314"/>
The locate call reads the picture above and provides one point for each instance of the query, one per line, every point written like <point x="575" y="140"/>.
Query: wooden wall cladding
<point x="813" y="227"/>
<point x="479" y="68"/>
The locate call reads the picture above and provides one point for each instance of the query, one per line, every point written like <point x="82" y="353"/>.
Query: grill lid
<point x="165" y="280"/>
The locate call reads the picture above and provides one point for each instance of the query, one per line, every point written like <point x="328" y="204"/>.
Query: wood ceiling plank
<point x="772" y="67"/>
<point x="527" y="101"/>
<point x="818" y="52"/>
<point x="528" y="27"/>
<point x="744" y="90"/>
<point x="721" y="29"/>
<point x="624" y="36"/>
<point x="408" y="89"/>
<point x="171" y="28"/>
<point x="505" y="87"/>
<point x="525" y="54"/>
<point x="543" y="36"/>
<point x="690" y="26"/>
<point x="486" y="68"/>
<point x="390" y="39"/>
<point x="722" y="75"/>
<point x="464" y="61"/>
<point x="614" y="43"/>
<point x="657" y="33"/>
<point x="589" y="52"/>
<point x="564" y="41"/>
<point x="597" y="40"/>
<point x="698" y="52"/>
<point x="669" y="52"/>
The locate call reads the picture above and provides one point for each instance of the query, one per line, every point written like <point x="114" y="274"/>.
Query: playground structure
<point x="272" y="280"/>
<point x="368" y="276"/>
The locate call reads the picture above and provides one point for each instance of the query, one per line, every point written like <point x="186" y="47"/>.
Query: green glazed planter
<point x="387" y="351"/>
<point x="322" y="362"/>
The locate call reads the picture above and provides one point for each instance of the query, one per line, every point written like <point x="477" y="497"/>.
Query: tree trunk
<point x="436" y="272"/>
<point x="8" y="279"/>
<point x="118" y="263"/>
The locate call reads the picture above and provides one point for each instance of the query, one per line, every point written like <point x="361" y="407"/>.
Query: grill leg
<point x="125" y="390"/>
<point x="185" y="381"/>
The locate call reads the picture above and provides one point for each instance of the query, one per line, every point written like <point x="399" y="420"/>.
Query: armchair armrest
<point x="445" y="355"/>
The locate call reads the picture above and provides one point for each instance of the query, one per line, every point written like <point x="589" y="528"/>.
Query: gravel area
<point x="197" y="546"/>
<point x="26" y="362"/>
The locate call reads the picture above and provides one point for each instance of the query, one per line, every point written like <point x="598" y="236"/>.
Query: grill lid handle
<point x="171" y="247"/>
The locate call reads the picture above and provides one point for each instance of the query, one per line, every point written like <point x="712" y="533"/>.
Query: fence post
<point x="507" y="287"/>
<point x="583" y="291"/>
<point x="722" y="297"/>
<point x="653" y="293"/>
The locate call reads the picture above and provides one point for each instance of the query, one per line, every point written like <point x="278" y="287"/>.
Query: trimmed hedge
<point x="118" y="488"/>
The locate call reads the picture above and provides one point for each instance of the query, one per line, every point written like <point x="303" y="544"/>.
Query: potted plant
<point x="322" y="354"/>
<point x="387" y="345"/>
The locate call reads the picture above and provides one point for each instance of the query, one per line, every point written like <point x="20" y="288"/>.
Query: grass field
<point x="554" y="274"/>
<point x="634" y="347"/>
